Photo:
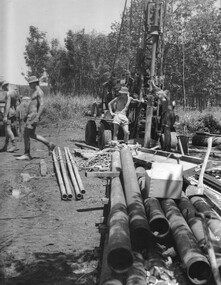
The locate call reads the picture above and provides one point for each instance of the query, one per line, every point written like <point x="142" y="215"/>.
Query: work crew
<point x="34" y="112"/>
<point x="9" y="118"/>
<point x="121" y="105"/>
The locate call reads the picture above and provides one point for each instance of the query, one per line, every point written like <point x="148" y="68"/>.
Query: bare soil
<point x="43" y="239"/>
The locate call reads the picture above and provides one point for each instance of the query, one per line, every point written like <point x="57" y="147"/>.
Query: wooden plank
<point x="104" y="174"/>
<point x="83" y="145"/>
<point x="108" y="174"/>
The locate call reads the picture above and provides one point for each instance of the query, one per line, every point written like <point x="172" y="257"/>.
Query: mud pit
<point x="44" y="240"/>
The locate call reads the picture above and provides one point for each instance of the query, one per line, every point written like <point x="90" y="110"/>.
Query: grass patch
<point x="209" y="120"/>
<point x="60" y="108"/>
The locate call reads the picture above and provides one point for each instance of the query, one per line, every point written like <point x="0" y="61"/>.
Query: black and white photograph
<point x="110" y="142"/>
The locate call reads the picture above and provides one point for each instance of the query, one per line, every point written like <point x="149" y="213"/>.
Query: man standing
<point x="11" y="99"/>
<point x="34" y="112"/>
<point x="121" y="105"/>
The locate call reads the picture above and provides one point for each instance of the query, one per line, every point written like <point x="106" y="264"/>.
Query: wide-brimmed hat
<point x="4" y="83"/>
<point x="33" y="79"/>
<point x="124" y="90"/>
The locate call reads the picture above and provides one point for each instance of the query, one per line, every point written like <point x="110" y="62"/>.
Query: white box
<point x="164" y="180"/>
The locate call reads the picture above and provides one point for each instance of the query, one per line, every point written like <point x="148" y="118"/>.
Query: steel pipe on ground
<point x="214" y="222"/>
<point x="139" y="228"/>
<point x="108" y="276"/>
<point x="158" y="223"/>
<point x="137" y="274"/>
<point x="73" y="178"/>
<point x="119" y="256"/>
<point x="64" y="195"/>
<point x="188" y="211"/>
<point x="196" y="264"/>
<point x="77" y="175"/>
<point x="65" y="176"/>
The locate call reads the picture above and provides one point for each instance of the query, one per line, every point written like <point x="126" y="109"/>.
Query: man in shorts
<point x="34" y="112"/>
<point x="121" y="105"/>
<point x="11" y="100"/>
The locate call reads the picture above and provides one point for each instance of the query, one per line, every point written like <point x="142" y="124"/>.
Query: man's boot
<point x="13" y="148"/>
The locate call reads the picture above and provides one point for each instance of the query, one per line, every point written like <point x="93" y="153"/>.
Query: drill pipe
<point x="188" y="211"/>
<point x="119" y="255"/>
<point x="139" y="227"/>
<point x="137" y="274"/>
<point x="73" y="178"/>
<point x="107" y="276"/>
<point x="196" y="264"/>
<point x="64" y="195"/>
<point x="141" y="179"/>
<point x="159" y="224"/>
<point x="77" y="175"/>
<point x="64" y="174"/>
<point x="214" y="222"/>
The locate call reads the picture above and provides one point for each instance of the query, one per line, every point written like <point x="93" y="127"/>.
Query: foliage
<point x="36" y="52"/>
<point x="208" y="121"/>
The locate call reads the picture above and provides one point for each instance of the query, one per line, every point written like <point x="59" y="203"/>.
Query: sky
<point x="55" y="17"/>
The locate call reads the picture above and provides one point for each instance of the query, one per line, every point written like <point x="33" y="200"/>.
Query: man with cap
<point x="121" y="105"/>
<point x="34" y="112"/>
<point x="11" y="100"/>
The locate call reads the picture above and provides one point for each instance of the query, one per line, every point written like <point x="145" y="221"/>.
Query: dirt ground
<point x="43" y="239"/>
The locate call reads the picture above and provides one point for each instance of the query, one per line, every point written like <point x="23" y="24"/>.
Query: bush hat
<point x="124" y="90"/>
<point x="33" y="79"/>
<point x="4" y="83"/>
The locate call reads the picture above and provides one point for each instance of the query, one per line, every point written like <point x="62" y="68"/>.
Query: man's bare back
<point x="36" y="100"/>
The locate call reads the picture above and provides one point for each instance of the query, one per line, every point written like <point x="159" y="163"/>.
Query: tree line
<point x="189" y="59"/>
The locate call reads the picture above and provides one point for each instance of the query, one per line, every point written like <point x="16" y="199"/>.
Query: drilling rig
<point x="144" y="118"/>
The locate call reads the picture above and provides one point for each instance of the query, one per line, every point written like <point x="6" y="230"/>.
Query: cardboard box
<point x="164" y="180"/>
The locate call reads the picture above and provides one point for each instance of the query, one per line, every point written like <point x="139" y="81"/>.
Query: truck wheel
<point x="90" y="133"/>
<point x="104" y="137"/>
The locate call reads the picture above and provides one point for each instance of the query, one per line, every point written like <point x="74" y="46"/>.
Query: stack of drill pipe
<point x="65" y="176"/>
<point x="76" y="172"/>
<point x="196" y="264"/>
<point x="214" y="222"/>
<point x="64" y="195"/>
<point x="78" y="193"/>
<point x="158" y="223"/>
<point x="120" y="256"/>
<point x="108" y="276"/>
<point x="137" y="273"/>
<point x="139" y="227"/>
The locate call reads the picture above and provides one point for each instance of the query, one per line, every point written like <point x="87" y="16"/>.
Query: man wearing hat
<point x="121" y="105"/>
<point x="11" y="100"/>
<point x="34" y="112"/>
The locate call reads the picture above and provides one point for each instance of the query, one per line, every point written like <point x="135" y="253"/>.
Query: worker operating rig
<point x="145" y="119"/>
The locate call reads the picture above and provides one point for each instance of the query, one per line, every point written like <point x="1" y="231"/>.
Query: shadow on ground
<point x="56" y="268"/>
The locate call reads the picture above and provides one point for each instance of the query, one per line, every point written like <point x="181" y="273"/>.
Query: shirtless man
<point x="11" y="99"/>
<point x="121" y="105"/>
<point x="34" y="112"/>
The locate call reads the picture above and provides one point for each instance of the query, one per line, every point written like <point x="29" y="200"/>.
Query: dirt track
<point x="44" y="240"/>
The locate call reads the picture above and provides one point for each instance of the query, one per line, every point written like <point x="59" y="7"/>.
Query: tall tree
<point x="36" y="52"/>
